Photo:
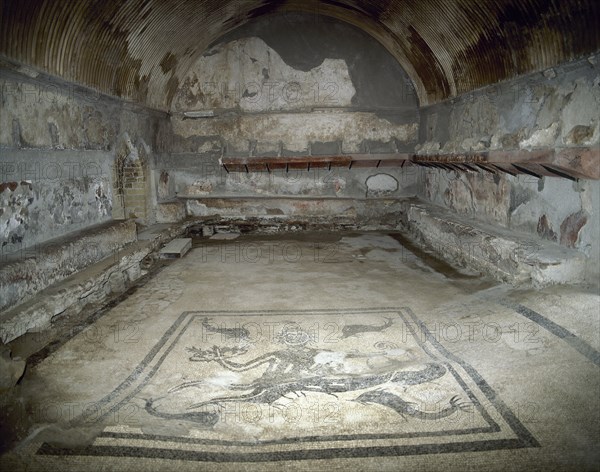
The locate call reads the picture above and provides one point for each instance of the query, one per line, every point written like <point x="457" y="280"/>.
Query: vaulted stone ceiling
<point x="141" y="49"/>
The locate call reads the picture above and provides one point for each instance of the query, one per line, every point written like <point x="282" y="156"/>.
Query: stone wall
<point x="283" y="86"/>
<point x="557" y="108"/>
<point x="550" y="110"/>
<point x="287" y="86"/>
<point x="59" y="144"/>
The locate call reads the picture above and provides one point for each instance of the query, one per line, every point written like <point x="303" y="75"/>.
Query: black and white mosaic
<point x="292" y="385"/>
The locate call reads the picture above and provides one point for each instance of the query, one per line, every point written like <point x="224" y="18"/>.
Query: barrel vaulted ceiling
<point x="140" y="50"/>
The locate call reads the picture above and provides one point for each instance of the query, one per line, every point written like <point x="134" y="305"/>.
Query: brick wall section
<point x="135" y="190"/>
<point x="130" y="191"/>
<point x="118" y="209"/>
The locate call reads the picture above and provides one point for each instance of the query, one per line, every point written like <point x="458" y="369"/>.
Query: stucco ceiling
<point x="141" y="49"/>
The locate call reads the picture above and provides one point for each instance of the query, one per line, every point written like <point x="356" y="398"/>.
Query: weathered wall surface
<point x="299" y="133"/>
<point x="59" y="144"/>
<point x="556" y="109"/>
<point x="248" y="75"/>
<point x="206" y="188"/>
<point x="287" y="86"/>
<point x="200" y="175"/>
<point x="43" y="196"/>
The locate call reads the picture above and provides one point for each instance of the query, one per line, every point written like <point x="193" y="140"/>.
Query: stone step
<point x="176" y="248"/>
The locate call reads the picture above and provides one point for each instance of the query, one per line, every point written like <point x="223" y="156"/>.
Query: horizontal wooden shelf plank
<point x="571" y="163"/>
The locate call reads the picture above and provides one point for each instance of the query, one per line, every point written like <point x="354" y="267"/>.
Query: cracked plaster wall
<point x="288" y="86"/>
<point x="58" y="145"/>
<point x="554" y="109"/>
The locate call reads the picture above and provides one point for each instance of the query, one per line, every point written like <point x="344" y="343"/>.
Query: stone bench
<point x="93" y="285"/>
<point x="28" y="271"/>
<point x="507" y="255"/>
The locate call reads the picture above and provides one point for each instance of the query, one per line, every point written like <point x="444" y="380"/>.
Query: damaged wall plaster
<point x="288" y="87"/>
<point x="208" y="179"/>
<point x="247" y="75"/>
<point x="298" y="132"/>
<point x="58" y="146"/>
<point x="532" y="112"/>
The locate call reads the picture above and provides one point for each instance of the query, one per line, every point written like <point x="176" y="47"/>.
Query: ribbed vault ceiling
<point x="140" y="49"/>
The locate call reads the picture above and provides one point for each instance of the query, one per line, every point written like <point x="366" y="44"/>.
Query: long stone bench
<point x="28" y="271"/>
<point x="507" y="255"/>
<point x="94" y="284"/>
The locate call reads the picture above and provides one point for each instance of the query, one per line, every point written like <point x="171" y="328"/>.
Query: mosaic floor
<point x="345" y="353"/>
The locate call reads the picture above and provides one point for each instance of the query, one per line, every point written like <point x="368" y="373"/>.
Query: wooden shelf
<point x="269" y="164"/>
<point x="571" y="163"/>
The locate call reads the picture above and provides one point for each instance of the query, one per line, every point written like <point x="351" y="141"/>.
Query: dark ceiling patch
<point x="304" y="43"/>
<point x="427" y="66"/>
<point x="168" y="63"/>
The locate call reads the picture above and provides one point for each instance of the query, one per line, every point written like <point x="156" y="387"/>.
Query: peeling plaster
<point x="248" y="75"/>
<point x="298" y="130"/>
